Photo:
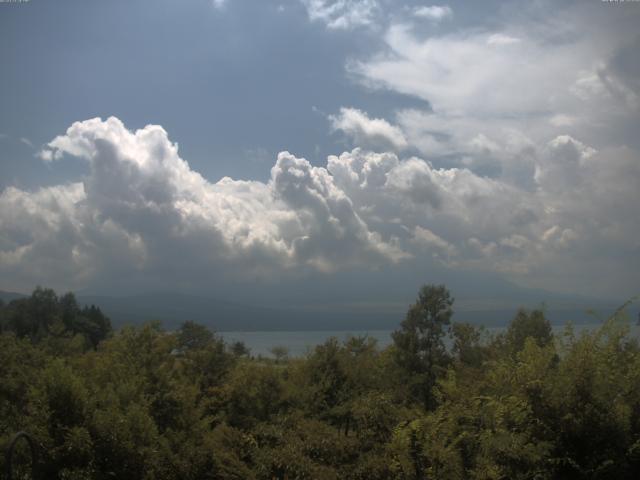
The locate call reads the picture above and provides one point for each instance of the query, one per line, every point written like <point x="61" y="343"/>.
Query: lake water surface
<point x="300" y="342"/>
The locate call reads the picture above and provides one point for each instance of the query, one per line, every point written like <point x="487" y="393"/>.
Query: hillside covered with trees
<point x="145" y="403"/>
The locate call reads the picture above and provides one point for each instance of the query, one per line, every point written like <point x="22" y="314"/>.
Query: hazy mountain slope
<point x="8" y="296"/>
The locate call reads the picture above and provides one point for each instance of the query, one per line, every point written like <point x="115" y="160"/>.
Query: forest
<point x="146" y="403"/>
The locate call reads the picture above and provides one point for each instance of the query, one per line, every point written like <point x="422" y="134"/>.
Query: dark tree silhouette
<point x="420" y="349"/>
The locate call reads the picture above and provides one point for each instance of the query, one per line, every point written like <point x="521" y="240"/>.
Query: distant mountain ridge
<point x="8" y="296"/>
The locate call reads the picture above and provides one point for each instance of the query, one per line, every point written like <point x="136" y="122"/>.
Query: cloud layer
<point x="142" y="207"/>
<point x="495" y="91"/>
<point x="143" y="210"/>
<point x="528" y="125"/>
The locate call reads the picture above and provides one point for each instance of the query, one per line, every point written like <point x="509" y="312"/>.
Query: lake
<point x="299" y="342"/>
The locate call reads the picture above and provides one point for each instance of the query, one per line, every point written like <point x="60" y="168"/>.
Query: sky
<point x="307" y="152"/>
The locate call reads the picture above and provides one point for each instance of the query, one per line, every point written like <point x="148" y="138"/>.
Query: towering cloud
<point x="142" y="207"/>
<point x="141" y="210"/>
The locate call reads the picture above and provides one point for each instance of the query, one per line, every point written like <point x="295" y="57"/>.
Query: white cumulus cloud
<point x="141" y="211"/>
<point x="434" y="13"/>
<point x="376" y="133"/>
<point x="142" y="200"/>
<point x="342" y="14"/>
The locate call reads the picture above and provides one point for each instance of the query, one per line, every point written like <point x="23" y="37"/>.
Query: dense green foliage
<point x="143" y="403"/>
<point x="43" y="314"/>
